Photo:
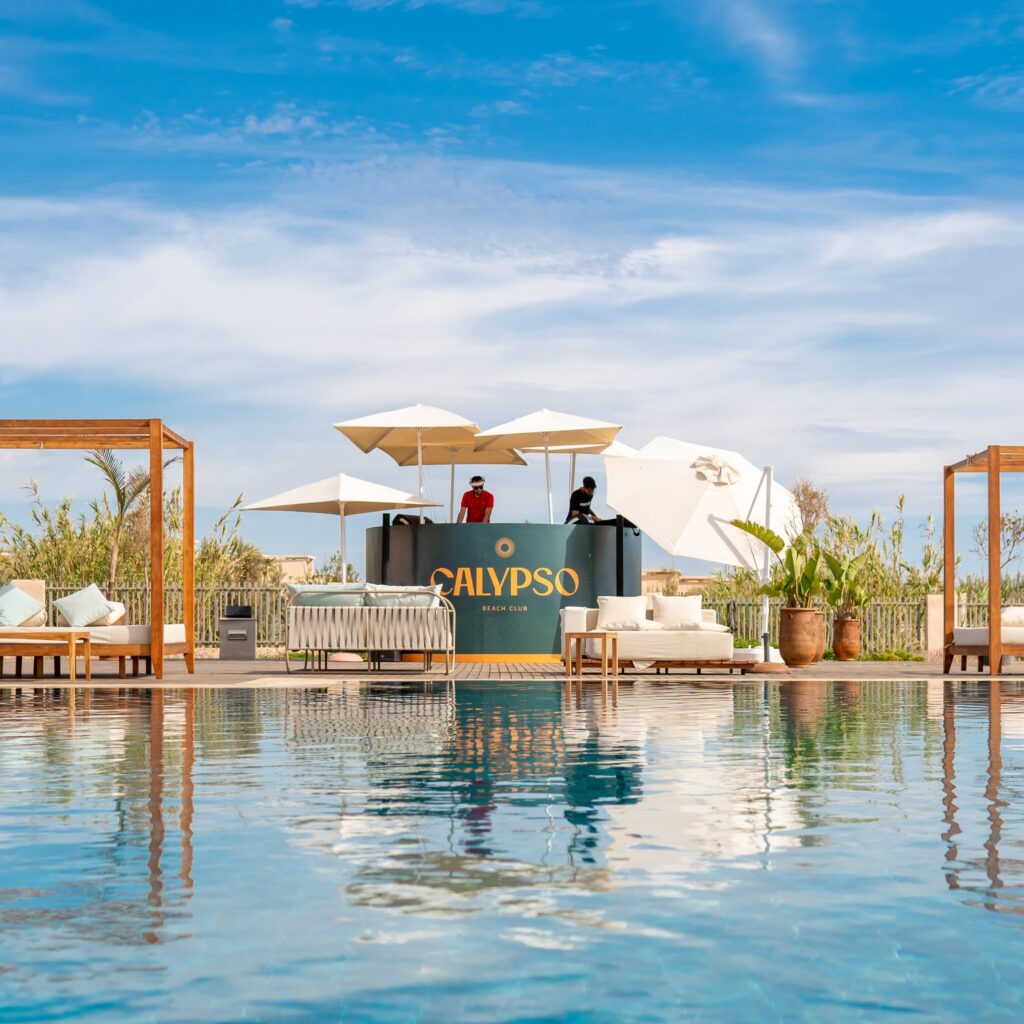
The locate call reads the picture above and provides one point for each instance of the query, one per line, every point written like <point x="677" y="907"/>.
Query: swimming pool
<point x="510" y="852"/>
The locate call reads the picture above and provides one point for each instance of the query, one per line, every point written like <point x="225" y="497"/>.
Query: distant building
<point x="294" y="568"/>
<point x="672" y="581"/>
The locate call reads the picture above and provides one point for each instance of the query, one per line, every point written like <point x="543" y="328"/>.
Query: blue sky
<point x="793" y="229"/>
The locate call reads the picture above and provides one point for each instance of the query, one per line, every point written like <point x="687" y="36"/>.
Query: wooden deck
<point x="271" y="673"/>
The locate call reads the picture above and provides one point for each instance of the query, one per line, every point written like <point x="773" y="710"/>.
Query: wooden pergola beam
<point x="84" y="435"/>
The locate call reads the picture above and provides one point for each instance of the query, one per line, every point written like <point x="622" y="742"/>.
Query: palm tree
<point x="128" y="488"/>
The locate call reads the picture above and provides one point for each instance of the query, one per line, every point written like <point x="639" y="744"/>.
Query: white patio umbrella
<point x="454" y="455"/>
<point x="685" y="496"/>
<point x="339" y="496"/>
<point x="411" y="427"/>
<point x="615" y="450"/>
<point x="545" y="430"/>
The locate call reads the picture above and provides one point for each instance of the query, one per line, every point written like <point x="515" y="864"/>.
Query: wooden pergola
<point x="994" y="460"/>
<point x="156" y="438"/>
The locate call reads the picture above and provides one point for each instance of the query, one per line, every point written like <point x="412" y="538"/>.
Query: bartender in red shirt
<point x="476" y="503"/>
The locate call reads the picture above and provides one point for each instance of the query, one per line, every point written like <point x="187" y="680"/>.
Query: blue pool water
<point x="508" y="852"/>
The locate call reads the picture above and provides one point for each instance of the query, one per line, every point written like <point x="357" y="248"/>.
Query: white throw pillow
<point x="84" y="608"/>
<point x="616" y="612"/>
<point x="1013" y="615"/>
<point x="109" y="620"/>
<point x="16" y="607"/>
<point x="644" y="625"/>
<point x="677" y="611"/>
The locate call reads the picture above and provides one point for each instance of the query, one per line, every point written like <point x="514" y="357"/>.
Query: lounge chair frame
<point x="154" y="436"/>
<point x="994" y="460"/>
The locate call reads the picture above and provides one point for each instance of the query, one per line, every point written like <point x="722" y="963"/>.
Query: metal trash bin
<point x="238" y="634"/>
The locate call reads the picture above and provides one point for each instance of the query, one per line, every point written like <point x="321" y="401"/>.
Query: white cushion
<point x="707" y="627"/>
<point x="17" y="607"/>
<point x="39" y="619"/>
<point x="108" y="620"/>
<point x="174" y="633"/>
<point x="633" y="627"/>
<point x="677" y="611"/>
<point x="616" y="612"/>
<point x="1013" y="615"/>
<point x="379" y="595"/>
<point x="84" y="607"/>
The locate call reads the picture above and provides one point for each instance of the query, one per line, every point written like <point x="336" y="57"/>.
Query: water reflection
<point x="459" y="801"/>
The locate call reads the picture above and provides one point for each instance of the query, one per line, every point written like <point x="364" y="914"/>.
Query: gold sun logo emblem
<point x="505" y="547"/>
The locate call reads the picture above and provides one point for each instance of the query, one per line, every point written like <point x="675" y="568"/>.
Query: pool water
<point x="514" y="852"/>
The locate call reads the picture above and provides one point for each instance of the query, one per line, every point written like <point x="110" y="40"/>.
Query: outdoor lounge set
<point x="676" y="632"/>
<point x="85" y="625"/>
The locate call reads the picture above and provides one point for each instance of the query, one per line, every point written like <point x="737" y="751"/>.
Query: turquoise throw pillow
<point x="16" y="606"/>
<point x="84" y="607"/>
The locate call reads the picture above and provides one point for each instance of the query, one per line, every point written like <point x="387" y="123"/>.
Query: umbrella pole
<point x="451" y="492"/>
<point x="572" y="473"/>
<point x="547" y="472"/>
<point x="766" y="570"/>
<point x="344" y="563"/>
<point x="419" y="463"/>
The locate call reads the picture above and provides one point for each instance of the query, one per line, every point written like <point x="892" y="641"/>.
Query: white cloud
<point x="993" y="88"/>
<point x="749" y="25"/>
<point x="849" y="337"/>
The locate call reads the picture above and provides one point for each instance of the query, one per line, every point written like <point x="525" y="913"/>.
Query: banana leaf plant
<point x="800" y="577"/>
<point x="844" y="590"/>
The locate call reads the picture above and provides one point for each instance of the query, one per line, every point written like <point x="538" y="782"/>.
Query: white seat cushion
<point x="977" y="636"/>
<point x="174" y="633"/>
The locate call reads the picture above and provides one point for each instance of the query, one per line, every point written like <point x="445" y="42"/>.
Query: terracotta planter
<point x="819" y="648"/>
<point x="846" y="639"/>
<point x="801" y="636"/>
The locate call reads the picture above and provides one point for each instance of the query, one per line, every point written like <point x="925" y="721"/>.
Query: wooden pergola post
<point x="188" y="553"/>
<point x="948" y="566"/>
<point x="156" y="438"/>
<point x="995" y="582"/>
<point x="156" y="546"/>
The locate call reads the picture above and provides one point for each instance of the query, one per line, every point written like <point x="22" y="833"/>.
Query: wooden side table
<point x="579" y="639"/>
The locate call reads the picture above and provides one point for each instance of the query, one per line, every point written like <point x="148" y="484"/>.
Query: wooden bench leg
<point x="963" y="662"/>
<point x="37" y="668"/>
<point x="947" y="663"/>
<point x="17" y="666"/>
<point x="121" y="667"/>
<point x="135" y="666"/>
<point x="56" y="667"/>
<point x="149" y="666"/>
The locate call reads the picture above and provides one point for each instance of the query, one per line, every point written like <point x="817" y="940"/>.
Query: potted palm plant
<point x="798" y="580"/>
<point x="846" y="595"/>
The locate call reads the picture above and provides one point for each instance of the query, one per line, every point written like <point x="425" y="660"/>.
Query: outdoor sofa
<point x="112" y="637"/>
<point x="674" y="633"/>
<point x="368" y="618"/>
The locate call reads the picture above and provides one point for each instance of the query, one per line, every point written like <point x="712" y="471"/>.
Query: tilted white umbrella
<point x="340" y="496"/>
<point x="684" y="497"/>
<point x="546" y="430"/>
<point x="455" y="455"/>
<point x="412" y="427"/>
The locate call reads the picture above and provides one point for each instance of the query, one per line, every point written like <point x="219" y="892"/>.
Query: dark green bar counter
<point x="506" y="580"/>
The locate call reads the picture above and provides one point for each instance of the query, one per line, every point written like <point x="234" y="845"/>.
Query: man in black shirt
<point x="579" y="503"/>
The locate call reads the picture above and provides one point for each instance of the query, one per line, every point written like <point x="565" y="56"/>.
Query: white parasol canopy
<point x="411" y="427"/>
<point x="455" y="455"/>
<point x="546" y="430"/>
<point x="340" y="496"/>
<point x="685" y="496"/>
